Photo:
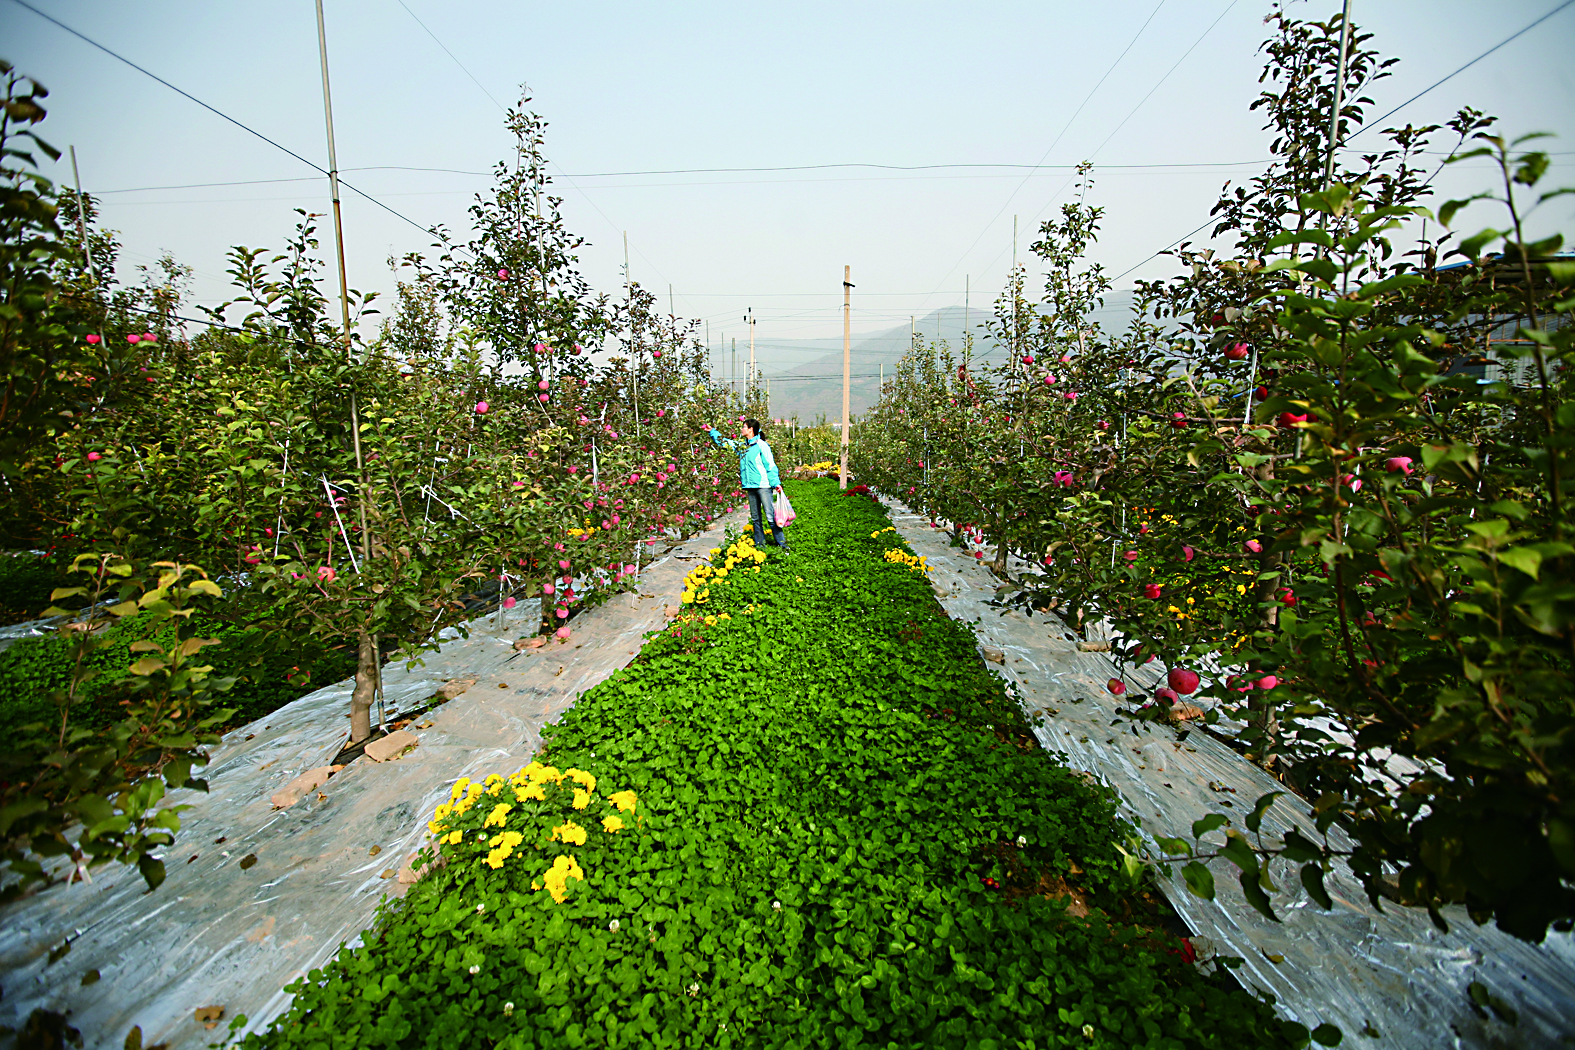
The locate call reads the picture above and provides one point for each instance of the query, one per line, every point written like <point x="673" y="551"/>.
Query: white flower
<point x="508" y="1009"/>
<point x="475" y="969"/>
<point x="480" y="908"/>
<point x="1088" y="1031"/>
<point x="694" y="989"/>
<point x="776" y="905"/>
<point x="613" y="926"/>
<point x="1022" y="842"/>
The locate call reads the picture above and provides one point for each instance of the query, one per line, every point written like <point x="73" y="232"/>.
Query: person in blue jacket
<point x="757" y="476"/>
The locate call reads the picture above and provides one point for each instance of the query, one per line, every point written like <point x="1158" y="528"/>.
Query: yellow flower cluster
<point x="914" y="562"/>
<point x="530" y="783"/>
<point x="697" y="585"/>
<point x="588" y="530"/>
<point x="888" y="528"/>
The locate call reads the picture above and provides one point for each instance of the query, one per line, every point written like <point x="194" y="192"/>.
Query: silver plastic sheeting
<point x="257" y="897"/>
<point x="1387" y="978"/>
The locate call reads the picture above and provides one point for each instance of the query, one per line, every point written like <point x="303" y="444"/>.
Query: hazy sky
<point x="656" y="87"/>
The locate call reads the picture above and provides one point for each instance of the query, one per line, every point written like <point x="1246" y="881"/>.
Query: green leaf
<point x="1204" y="825"/>
<point x="1312" y="882"/>
<point x="1255" y="818"/>
<point x="1199" y="879"/>
<point x="1446" y="214"/>
<point x="152" y="870"/>
<point x="1327" y="1034"/>
<point x="1174" y="847"/>
<point x="1525" y="559"/>
<point x="1256" y="897"/>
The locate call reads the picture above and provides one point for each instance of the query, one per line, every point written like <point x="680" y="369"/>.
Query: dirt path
<point x="1387" y="972"/>
<point x="268" y="894"/>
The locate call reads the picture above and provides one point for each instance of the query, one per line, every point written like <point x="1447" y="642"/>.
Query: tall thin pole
<point x="967" y="282"/>
<point x="87" y="249"/>
<point x="847" y="366"/>
<point x="750" y="317"/>
<point x="732" y="375"/>
<point x="344" y="319"/>
<point x="634" y="354"/>
<point x="1339" y="90"/>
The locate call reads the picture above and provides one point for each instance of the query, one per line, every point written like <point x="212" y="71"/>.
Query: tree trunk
<point x="1001" y="548"/>
<point x="365" y="689"/>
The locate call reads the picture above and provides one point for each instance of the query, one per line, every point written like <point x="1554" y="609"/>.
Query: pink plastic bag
<point x="784" y="511"/>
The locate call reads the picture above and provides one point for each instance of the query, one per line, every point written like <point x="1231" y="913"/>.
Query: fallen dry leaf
<point x="208" y="1013"/>
<point x="374" y="851"/>
<point x="248" y="861"/>
<point x="388" y="873"/>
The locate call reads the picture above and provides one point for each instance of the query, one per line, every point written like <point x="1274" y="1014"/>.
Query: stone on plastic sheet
<point x="450" y="689"/>
<point x="993" y="654"/>
<point x="1354" y="966"/>
<point x="186" y="944"/>
<point x="302" y="786"/>
<point x="390" y="746"/>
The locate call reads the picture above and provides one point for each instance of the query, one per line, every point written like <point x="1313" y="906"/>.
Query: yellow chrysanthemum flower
<point x="563" y="869"/>
<point x="569" y="832"/>
<point x="454" y="837"/>
<point x="498" y="817"/>
<point x="710" y="621"/>
<point x="582" y="778"/>
<point x="624" y="800"/>
<point x="687" y="597"/>
<point x="502" y="847"/>
<point x="612" y="824"/>
<point x="532" y="790"/>
<point x="459" y="787"/>
<point x="582" y="798"/>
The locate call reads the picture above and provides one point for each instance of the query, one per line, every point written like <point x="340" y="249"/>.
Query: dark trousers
<point x="760" y="503"/>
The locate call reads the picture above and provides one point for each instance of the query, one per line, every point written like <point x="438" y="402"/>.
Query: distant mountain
<point x="814" y="388"/>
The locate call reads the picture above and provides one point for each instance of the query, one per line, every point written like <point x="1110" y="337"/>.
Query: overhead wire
<point x="1056" y="141"/>
<point x="215" y="111"/>
<point x="1367" y="125"/>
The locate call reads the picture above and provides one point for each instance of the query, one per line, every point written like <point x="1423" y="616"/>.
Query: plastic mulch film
<point x="1387" y="978"/>
<point x="256" y="896"/>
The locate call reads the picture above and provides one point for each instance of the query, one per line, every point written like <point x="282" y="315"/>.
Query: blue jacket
<point x="757" y="467"/>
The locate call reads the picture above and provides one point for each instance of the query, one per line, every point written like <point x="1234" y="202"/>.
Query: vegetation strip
<point x="839" y="831"/>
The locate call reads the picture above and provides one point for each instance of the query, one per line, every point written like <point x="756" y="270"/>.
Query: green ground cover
<point x="805" y="816"/>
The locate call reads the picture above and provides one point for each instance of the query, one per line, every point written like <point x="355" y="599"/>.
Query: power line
<point x="451" y="54"/>
<point x="216" y="112"/>
<point x="1056" y="140"/>
<point x="1374" y="123"/>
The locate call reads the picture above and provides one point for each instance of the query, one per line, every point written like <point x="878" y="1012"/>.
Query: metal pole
<point x="87" y="250"/>
<point x="1339" y="89"/>
<point x="634" y="356"/>
<point x="344" y="318"/>
<point x="847" y="366"/>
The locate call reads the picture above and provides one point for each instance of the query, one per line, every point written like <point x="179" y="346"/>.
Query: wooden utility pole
<point x="847" y="367"/>
<point x="369" y="670"/>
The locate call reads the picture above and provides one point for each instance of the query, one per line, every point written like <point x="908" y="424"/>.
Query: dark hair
<point x="754" y="424"/>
